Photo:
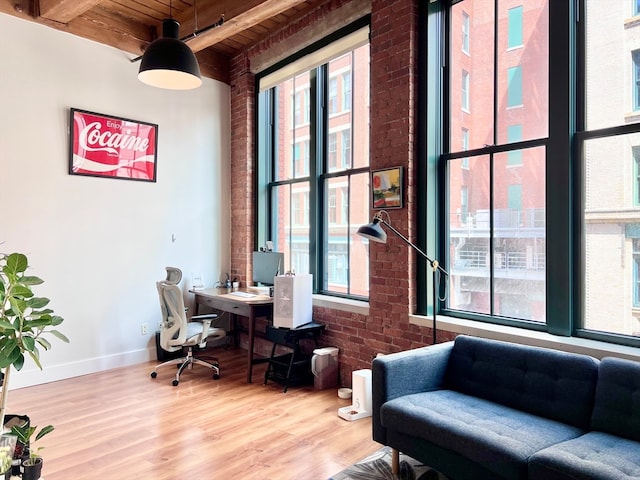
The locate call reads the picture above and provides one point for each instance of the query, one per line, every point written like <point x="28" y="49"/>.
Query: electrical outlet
<point x="144" y="329"/>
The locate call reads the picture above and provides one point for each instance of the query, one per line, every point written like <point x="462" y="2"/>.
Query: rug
<point x="378" y="467"/>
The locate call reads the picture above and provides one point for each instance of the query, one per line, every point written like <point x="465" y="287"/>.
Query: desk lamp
<point x="374" y="232"/>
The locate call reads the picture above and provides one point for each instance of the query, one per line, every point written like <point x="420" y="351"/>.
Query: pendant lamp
<point x="168" y="62"/>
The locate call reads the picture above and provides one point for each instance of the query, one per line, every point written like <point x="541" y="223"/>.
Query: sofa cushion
<point x="498" y="437"/>
<point x="549" y="383"/>
<point x="617" y="404"/>
<point x="593" y="456"/>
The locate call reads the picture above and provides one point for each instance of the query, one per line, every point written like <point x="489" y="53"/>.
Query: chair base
<point x="188" y="362"/>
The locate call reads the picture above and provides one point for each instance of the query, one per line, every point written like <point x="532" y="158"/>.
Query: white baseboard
<point x="51" y="373"/>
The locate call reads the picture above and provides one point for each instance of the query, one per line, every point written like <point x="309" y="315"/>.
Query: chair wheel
<point x="154" y="374"/>
<point x="175" y="383"/>
<point x="216" y="376"/>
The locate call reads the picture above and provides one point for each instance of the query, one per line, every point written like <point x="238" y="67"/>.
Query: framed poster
<point x="386" y="188"/>
<point x="112" y="147"/>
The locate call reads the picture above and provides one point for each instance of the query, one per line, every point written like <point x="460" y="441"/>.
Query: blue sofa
<point x="485" y="409"/>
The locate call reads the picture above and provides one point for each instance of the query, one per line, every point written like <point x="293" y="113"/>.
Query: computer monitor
<point x="267" y="265"/>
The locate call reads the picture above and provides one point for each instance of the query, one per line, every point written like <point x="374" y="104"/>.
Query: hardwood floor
<point x="121" y="424"/>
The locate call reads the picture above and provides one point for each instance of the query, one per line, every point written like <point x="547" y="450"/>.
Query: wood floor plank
<point x="123" y="424"/>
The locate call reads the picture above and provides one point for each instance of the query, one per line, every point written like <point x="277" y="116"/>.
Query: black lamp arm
<point x="434" y="263"/>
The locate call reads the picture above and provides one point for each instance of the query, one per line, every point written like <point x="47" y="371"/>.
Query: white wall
<point x="101" y="244"/>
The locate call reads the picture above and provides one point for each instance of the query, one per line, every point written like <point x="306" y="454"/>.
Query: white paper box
<point x="292" y="300"/>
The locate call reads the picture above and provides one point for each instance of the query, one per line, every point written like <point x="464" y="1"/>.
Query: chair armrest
<point x="201" y="318"/>
<point x="404" y="373"/>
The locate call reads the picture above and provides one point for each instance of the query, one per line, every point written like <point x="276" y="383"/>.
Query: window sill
<point x="632" y="21"/>
<point x="528" y="337"/>
<point x="632" y="117"/>
<point x="343" y="304"/>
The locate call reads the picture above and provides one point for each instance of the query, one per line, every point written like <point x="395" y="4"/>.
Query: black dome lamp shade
<point x="168" y="62"/>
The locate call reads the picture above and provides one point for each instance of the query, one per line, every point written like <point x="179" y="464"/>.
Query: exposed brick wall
<point x="242" y="167"/>
<point x="394" y="26"/>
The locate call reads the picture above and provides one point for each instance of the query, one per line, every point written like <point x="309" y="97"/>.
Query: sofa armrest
<point x="404" y="373"/>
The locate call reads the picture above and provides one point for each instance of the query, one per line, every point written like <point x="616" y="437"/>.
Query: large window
<point x="555" y="123"/>
<point x="608" y="141"/>
<point x="496" y="169"/>
<point x="318" y="197"/>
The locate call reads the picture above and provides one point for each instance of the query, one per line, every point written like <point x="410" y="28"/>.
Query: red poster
<point x="105" y="146"/>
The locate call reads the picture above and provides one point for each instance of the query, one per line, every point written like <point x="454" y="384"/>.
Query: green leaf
<point x="18" y="362"/>
<point x="59" y="335"/>
<point x="38" y="322"/>
<point x="35" y="355"/>
<point x="44" y="342"/>
<point x="16" y="263"/>
<point x="56" y="320"/>
<point x="38" y="302"/>
<point x="44" y="431"/>
<point x="21" y="292"/>
<point x="17" y="305"/>
<point x="29" y="343"/>
<point x="23" y="432"/>
<point x="4" y="325"/>
<point x="30" y="280"/>
<point x="9" y="347"/>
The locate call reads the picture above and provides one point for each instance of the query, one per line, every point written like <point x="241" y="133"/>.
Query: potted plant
<point x="25" y="321"/>
<point x="32" y="464"/>
<point x="7" y="446"/>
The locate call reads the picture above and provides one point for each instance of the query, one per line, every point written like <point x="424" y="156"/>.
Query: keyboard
<point x="242" y="294"/>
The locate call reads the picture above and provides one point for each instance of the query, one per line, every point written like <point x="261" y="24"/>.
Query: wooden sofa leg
<point x="395" y="461"/>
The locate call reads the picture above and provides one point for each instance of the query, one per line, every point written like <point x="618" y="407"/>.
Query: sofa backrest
<point x="549" y="383"/>
<point x="617" y="405"/>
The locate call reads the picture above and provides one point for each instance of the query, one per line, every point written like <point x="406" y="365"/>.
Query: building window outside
<point x="333" y="152"/>
<point x="636" y="7"/>
<point x="346" y="91"/>
<point x="465" y="91"/>
<point x="344" y="206"/>
<point x="635" y="151"/>
<point x="311" y="218"/>
<point x="333" y="217"/>
<point x="333" y="96"/>
<point x="465" y="32"/>
<point x="465" y="146"/>
<point x="635" y="55"/>
<point x="514" y="38"/>
<point x="346" y="148"/>
<point x="514" y="134"/>
<point x="514" y="89"/>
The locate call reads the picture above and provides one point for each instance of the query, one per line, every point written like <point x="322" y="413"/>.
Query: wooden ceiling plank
<point x="64" y="11"/>
<point x="241" y="21"/>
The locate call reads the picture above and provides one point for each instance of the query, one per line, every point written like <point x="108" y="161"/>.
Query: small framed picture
<point x="386" y="188"/>
<point x="112" y="147"/>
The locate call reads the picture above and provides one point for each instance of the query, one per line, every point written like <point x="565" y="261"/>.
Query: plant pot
<point x="32" y="469"/>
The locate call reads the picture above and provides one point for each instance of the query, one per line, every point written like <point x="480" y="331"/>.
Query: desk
<point x="258" y="306"/>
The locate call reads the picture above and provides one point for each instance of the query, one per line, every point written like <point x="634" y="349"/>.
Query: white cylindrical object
<point x="361" y="386"/>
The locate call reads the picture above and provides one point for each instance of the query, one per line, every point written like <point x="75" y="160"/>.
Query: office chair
<point x="177" y="332"/>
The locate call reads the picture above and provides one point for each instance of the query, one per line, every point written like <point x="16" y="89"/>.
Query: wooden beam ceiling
<point x="131" y="25"/>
